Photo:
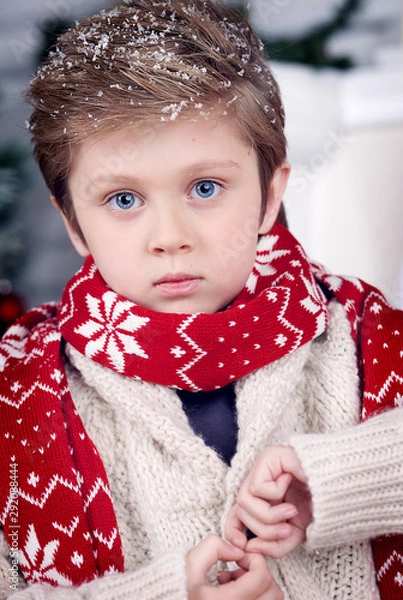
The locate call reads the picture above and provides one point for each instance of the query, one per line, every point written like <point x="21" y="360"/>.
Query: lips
<point x="177" y="284"/>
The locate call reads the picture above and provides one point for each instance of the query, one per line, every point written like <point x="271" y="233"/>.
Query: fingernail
<point x="290" y="514"/>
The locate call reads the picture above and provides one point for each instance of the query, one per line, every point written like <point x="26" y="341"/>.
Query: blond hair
<point x="145" y="63"/>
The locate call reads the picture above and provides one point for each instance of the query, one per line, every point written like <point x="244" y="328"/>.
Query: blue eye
<point x="124" y="201"/>
<point x="205" y="189"/>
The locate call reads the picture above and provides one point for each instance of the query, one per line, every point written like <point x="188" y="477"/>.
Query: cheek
<point x="115" y="272"/>
<point x="100" y="235"/>
<point x="240" y="239"/>
<point x="235" y="255"/>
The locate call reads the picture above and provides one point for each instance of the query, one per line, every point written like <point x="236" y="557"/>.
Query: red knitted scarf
<point x="48" y="460"/>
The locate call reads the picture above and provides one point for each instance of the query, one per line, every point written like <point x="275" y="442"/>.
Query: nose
<point x="170" y="232"/>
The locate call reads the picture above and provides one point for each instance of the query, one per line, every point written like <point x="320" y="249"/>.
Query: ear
<point x="276" y="191"/>
<point x="75" y="238"/>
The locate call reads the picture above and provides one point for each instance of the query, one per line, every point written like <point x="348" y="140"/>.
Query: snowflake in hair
<point x="110" y="329"/>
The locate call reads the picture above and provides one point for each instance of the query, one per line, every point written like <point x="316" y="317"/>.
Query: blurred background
<point x="340" y="67"/>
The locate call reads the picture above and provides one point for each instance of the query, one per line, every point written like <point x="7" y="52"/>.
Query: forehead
<point x="209" y="134"/>
<point x="182" y="146"/>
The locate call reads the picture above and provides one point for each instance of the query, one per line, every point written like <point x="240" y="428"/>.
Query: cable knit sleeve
<point x="162" y="579"/>
<point x="356" y="480"/>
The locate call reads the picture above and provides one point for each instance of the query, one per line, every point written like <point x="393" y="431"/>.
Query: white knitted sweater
<point x="170" y="490"/>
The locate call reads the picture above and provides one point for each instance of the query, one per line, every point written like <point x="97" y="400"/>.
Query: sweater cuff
<point x="162" y="579"/>
<point x="356" y="480"/>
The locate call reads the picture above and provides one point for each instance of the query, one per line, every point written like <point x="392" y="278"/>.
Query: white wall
<point x="353" y="218"/>
<point x="345" y="198"/>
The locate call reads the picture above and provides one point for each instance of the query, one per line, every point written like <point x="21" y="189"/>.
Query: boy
<point x="198" y="380"/>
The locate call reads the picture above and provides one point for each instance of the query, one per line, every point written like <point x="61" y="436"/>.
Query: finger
<point x="257" y="581"/>
<point x="259" y="486"/>
<point x="250" y="582"/>
<point x="224" y="577"/>
<point x="282" y="459"/>
<point x="234" y="529"/>
<point x="276" y="548"/>
<point x="207" y="553"/>
<point x="257" y="563"/>
<point x="300" y="495"/>
<point x="270" y="475"/>
<point x="251" y="560"/>
<point x="227" y="576"/>
<point x="265" y="531"/>
<point x="265" y="512"/>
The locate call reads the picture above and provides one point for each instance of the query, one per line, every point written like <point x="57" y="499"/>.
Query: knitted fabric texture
<point x="280" y="303"/>
<point x="377" y="329"/>
<point x="48" y="461"/>
<point x="280" y="309"/>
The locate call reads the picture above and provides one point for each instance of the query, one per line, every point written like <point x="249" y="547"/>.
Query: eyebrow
<point x="109" y="179"/>
<point x="210" y="165"/>
<point x="191" y="169"/>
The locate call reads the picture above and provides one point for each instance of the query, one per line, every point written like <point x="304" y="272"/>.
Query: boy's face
<point x="171" y="215"/>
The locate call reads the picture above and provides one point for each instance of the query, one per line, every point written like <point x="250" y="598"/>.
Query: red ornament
<point x="11" y="308"/>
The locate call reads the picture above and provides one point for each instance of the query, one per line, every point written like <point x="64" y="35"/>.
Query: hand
<point x="252" y="581"/>
<point x="274" y="503"/>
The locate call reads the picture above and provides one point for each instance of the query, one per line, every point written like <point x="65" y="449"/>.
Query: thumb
<point x="234" y="529"/>
<point x="208" y="552"/>
<point x="252" y="562"/>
